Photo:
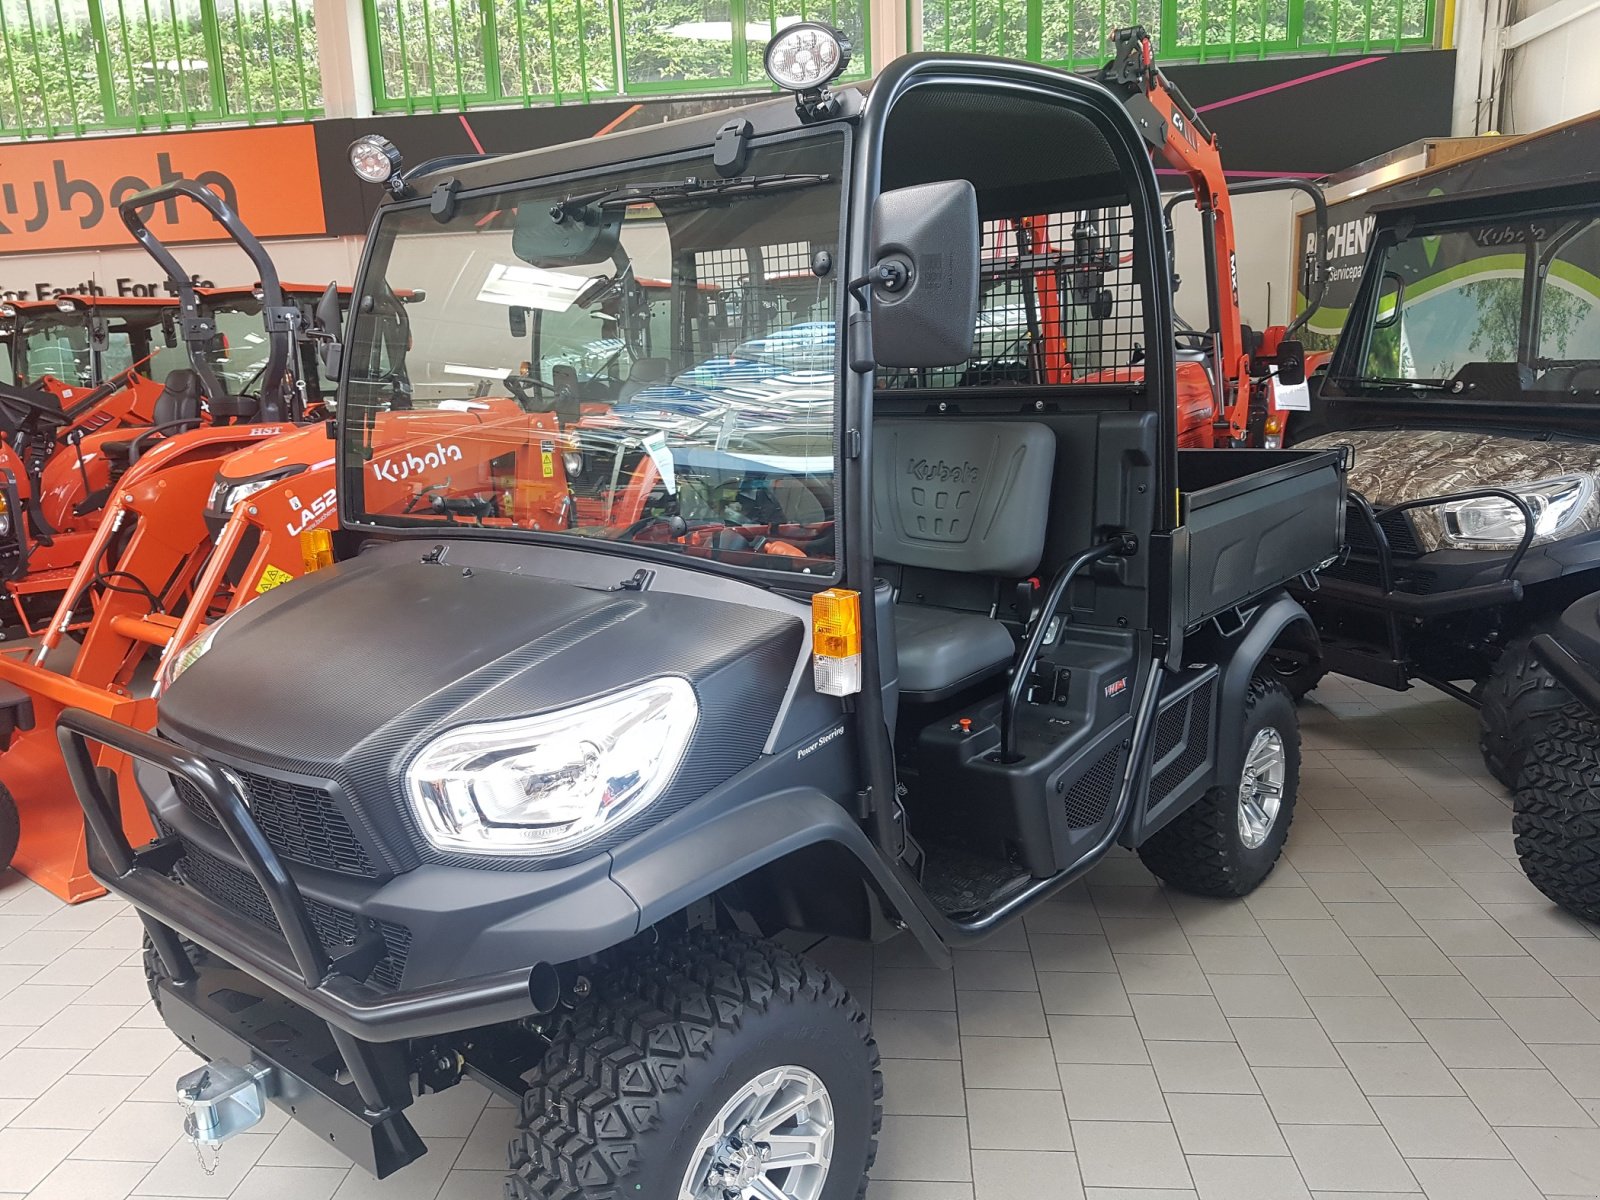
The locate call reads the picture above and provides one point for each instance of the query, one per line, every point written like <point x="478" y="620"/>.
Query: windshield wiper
<point x="692" y="188"/>
<point x="1419" y="385"/>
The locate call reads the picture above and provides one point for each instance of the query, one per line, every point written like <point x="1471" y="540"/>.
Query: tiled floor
<point x="1398" y="1013"/>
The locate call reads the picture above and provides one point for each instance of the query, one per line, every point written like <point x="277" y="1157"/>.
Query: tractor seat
<point x="959" y="498"/>
<point x="177" y="409"/>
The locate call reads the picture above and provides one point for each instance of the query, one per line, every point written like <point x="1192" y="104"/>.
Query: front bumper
<point x="296" y="965"/>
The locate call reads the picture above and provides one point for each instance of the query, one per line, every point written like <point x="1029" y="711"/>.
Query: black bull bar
<point x="282" y="1003"/>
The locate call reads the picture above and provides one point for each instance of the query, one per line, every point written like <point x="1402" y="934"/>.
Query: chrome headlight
<point x="1493" y="523"/>
<point x="546" y="784"/>
<point x="191" y="652"/>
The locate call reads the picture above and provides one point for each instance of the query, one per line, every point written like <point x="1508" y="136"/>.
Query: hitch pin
<point x="220" y="1100"/>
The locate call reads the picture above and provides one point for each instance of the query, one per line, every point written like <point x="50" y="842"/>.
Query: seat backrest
<point x="967" y="496"/>
<point x="179" y="399"/>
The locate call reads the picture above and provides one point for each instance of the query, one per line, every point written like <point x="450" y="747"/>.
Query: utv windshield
<point x="1494" y="311"/>
<point x="643" y="356"/>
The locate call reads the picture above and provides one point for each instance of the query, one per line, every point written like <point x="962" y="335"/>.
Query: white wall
<point x="1264" y="230"/>
<point x="132" y="272"/>
<point x="1554" y="77"/>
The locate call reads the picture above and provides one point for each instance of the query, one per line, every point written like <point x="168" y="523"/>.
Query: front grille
<point x="1190" y="717"/>
<point x="300" y="821"/>
<point x="1397" y="528"/>
<point x="337" y="929"/>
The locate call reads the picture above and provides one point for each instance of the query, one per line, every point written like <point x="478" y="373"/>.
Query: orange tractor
<point x="1227" y="373"/>
<point x="208" y="519"/>
<point x="143" y="566"/>
<point x="66" y="447"/>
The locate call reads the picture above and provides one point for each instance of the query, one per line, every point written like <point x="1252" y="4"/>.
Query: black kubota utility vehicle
<point x="889" y="649"/>
<point x="1467" y="383"/>
<point x="1557" y="797"/>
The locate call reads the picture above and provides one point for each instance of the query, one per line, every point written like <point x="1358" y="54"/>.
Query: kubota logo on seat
<point x="401" y="467"/>
<point x="941" y="471"/>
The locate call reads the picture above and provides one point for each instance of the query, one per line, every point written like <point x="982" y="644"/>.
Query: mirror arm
<point x="892" y="275"/>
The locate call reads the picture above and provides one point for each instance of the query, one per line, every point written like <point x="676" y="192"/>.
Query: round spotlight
<point x="66" y="306"/>
<point x="374" y="158"/>
<point x="807" y="56"/>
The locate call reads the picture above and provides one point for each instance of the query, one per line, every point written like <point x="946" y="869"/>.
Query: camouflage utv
<point x="1467" y="383"/>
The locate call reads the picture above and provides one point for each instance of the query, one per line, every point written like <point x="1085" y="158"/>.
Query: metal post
<point x="342" y="49"/>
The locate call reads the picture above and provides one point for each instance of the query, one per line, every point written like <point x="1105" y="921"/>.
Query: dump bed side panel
<point x="1256" y="519"/>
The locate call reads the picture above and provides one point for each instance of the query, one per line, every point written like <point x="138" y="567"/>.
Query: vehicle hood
<point x="1393" y="466"/>
<point x="344" y="674"/>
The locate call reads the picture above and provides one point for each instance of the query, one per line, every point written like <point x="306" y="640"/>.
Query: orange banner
<point x="64" y="195"/>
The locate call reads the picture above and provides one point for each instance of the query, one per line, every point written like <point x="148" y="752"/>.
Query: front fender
<point x="707" y="847"/>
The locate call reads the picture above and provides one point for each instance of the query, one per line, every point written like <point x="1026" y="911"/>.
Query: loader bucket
<point x="53" y="851"/>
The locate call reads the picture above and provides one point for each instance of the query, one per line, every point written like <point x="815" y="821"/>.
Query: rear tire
<point x="637" y="1078"/>
<point x="1230" y="839"/>
<point x="10" y="827"/>
<point x="1557" y="821"/>
<point x="1517" y="704"/>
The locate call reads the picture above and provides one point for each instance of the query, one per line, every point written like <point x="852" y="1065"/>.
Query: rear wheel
<point x="1516" y="705"/>
<point x="1557" y="822"/>
<point x="712" y="1066"/>
<point x="1229" y="841"/>
<point x="10" y="827"/>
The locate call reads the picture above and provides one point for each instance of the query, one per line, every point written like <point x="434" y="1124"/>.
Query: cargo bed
<point x="1256" y="519"/>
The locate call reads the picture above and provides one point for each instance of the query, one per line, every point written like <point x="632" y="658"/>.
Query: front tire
<point x="1229" y="840"/>
<point x="1517" y="704"/>
<point x="670" y="1076"/>
<point x="1557" y="821"/>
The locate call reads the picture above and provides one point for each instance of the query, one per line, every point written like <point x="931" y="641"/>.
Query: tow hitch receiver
<point x="221" y="1100"/>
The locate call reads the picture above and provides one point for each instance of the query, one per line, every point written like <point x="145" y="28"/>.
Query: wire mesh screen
<point x="1060" y="304"/>
<point x="766" y="303"/>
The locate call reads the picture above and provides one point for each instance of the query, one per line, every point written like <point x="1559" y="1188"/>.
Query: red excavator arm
<point x="1239" y="362"/>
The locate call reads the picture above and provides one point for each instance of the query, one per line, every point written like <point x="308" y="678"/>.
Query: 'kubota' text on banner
<point x="64" y="195"/>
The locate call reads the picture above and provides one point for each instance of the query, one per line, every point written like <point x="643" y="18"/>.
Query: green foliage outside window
<point x="71" y="66"/>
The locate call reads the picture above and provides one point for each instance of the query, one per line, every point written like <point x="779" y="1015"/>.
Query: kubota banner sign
<point x="64" y="195"/>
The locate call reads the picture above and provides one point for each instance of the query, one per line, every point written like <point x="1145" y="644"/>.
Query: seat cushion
<point x="941" y="649"/>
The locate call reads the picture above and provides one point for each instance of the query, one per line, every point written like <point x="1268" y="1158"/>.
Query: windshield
<point x="239" y="352"/>
<point x="1496" y="309"/>
<point x="645" y="356"/>
<point x="59" y="347"/>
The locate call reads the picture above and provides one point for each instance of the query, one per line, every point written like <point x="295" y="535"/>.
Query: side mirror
<point x="1398" y="293"/>
<point x="329" y="330"/>
<point x="169" y="330"/>
<point x="924" y="278"/>
<point x="1291" y="362"/>
<point x="518" y="317"/>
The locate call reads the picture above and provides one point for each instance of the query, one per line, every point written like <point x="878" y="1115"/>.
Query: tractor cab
<point x="76" y="345"/>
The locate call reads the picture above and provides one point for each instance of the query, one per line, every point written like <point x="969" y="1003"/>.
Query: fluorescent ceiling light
<point x="531" y="287"/>
<point x="477" y="372"/>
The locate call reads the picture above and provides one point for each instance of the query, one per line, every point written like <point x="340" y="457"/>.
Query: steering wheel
<point x="524" y="386"/>
<point x="1192" y="339"/>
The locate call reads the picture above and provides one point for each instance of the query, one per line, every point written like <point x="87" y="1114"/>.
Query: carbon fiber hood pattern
<point x="345" y="674"/>
<point x="1396" y="465"/>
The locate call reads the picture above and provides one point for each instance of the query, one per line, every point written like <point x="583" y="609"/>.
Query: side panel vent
<point x="1183" y="741"/>
<point x="1089" y="799"/>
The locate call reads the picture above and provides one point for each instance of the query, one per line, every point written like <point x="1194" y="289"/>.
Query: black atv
<point x="1557" y="796"/>
<point x="1467" y="384"/>
<point x="835" y="643"/>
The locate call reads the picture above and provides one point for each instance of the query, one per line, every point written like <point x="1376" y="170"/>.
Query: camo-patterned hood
<point x="1396" y="465"/>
